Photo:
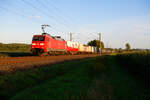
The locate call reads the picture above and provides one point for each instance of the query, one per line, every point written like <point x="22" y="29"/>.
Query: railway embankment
<point x="11" y="64"/>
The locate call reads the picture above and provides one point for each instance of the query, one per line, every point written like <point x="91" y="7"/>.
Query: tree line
<point x="14" y="47"/>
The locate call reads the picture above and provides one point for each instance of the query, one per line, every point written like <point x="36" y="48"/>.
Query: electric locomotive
<point x="47" y="44"/>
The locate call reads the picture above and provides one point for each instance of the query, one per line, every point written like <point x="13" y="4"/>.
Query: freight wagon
<point x="72" y="47"/>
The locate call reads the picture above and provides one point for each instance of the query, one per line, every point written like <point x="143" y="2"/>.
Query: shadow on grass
<point x="15" y="54"/>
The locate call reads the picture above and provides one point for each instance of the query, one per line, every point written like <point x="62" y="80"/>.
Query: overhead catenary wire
<point x="20" y="14"/>
<point x="66" y="17"/>
<point x="82" y="36"/>
<point x="44" y="12"/>
<point x="57" y="16"/>
<point x="57" y="9"/>
<point x="54" y="7"/>
<point x="85" y="36"/>
<point x="33" y="15"/>
<point x="52" y="11"/>
<point x="16" y="13"/>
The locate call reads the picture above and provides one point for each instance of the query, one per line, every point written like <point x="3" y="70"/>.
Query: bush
<point x="137" y="64"/>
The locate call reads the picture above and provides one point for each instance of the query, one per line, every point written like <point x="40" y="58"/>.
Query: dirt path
<point x="11" y="64"/>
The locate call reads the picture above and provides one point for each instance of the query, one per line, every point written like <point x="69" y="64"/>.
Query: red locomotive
<point x="46" y="43"/>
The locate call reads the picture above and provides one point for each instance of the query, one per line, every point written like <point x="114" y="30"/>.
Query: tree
<point x="128" y="47"/>
<point x="96" y="43"/>
<point x="120" y="50"/>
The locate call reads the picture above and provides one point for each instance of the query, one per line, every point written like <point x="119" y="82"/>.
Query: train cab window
<point x="35" y="39"/>
<point x="38" y="38"/>
<point x="41" y="38"/>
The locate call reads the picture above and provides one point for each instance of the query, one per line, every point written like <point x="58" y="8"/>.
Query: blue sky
<point x="119" y="21"/>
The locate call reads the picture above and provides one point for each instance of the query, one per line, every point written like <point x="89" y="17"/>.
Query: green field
<point x="100" y="78"/>
<point x="14" y="50"/>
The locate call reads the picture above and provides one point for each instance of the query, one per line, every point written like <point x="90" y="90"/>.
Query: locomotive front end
<point x="38" y="44"/>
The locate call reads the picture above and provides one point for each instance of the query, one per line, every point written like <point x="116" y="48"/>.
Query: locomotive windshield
<point x="38" y="38"/>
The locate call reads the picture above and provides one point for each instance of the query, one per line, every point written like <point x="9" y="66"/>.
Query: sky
<point x="118" y="21"/>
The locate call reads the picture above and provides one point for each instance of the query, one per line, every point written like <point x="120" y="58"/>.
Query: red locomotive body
<point x="46" y="43"/>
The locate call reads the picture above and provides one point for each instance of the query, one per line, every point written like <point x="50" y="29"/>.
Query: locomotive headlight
<point x="33" y="43"/>
<point x="41" y="43"/>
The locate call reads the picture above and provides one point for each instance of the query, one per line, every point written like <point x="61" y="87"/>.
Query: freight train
<point x="45" y="43"/>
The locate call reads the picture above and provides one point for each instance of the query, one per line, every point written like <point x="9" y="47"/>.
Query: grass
<point x="100" y="78"/>
<point x="137" y="64"/>
<point x="73" y="85"/>
<point x="13" y="83"/>
<point x="14" y="50"/>
<point x="69" y="86"/>
<point x="126" y="86"/>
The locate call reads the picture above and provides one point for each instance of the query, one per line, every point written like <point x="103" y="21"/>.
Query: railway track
<point x="11" y="64"/>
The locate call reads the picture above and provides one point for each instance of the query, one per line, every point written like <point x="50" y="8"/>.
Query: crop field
<point x="117" y="77"/>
